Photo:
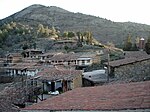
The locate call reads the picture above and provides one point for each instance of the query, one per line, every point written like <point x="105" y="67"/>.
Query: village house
<point x="2" y="61"/>
<point x="69" y="59"/>
<point x="59" y="79"/>
<point x="76" y="60"/>
<point x="46" y="57"/>
<point x="95" y="56"/>
<point x="32" y="53"/>
<point x="13" y="58"/>
<point x="116" y="97"/>
<point x="136" y="68"/>
<point x="26" y="69"/>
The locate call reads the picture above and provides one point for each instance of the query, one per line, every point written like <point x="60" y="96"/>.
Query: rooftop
<point x="126" y="61"/>
<point x="109" y="97"/>
<point x="21" y="66"/>
<point x="58" y="73"/>
<point x="136" y="54"/>
<point x="64" y="57"/>
<point x="96" y="76"/>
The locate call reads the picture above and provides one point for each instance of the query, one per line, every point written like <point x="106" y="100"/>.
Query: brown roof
<point x="108" y="97"/>
<point x="58" y="73"/>
<point x="136" y="54"/>
<point x="14" y="55"/>
<point x="21" y="66"/>
<point x="126" y="61"/>
<point x="48" y="54"/>
<point x="33" y="50"/>
<point x="64" y="57"/>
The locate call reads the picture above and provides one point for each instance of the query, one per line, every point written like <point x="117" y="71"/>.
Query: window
<point x="88" y="61"/>
<point x="83" y="62"/>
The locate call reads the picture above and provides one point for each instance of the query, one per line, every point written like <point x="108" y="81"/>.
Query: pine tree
<point x="128" y="44"/>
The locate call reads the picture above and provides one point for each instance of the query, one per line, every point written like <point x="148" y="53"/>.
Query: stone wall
<point x="135" y="71"/>
<point x="77" y="82"/>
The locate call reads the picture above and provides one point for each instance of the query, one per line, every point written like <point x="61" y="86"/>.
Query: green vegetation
<point x="147" y="46"/>
<point x="37" y="29"/>
<point x="43" y="32"/>
<point x="128" y="44"/>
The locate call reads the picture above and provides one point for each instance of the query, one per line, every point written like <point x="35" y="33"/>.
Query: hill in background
<point x="103" y="30"/>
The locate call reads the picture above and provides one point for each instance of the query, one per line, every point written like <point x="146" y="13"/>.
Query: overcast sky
<point x="115" y="10"/>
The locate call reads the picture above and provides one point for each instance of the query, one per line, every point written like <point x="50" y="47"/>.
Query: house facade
<point x="59" y="79"/>
<point x="12" y="58"/>
<point x="32" y="53"/>
<point x="23" y="69"/>
<point x="136" y="68"/>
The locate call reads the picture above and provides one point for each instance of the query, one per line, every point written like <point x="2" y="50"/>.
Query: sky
<point x="115" y="10"/>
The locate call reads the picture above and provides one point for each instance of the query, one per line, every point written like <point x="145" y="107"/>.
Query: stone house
<point x="2" y="62"/>
<point x="32" y="53"/>
<point x="136" y="68"/>
<point x="46" y="56"/>
<point x="69" y="59"/>
<point x="78" y="60"/>
<point x="59" y="79"/>
<point x="12" y="58"/>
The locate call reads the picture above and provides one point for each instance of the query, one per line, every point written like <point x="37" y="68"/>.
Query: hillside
<point x="103" y="30"/>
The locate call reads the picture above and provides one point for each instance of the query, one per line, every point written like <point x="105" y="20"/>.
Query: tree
<point x="47" y="31"/>
<point x="65" y="34"/>
<point x="134" y="47"/>
<point x="66" y="48"/>
<point x="41" y="29"/>
<point x="71" y="34"/>
<point x="79" y="39"/>
<point x="25" y="46"/>
<point x="147" y="46"/>
<point x="128" y="44"/>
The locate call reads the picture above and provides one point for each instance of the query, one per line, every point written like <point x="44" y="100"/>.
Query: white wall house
<point x="32" y="72"/>
<point x="16" y="71"/>
<point x="28" y="69"/>
<point x="84" y="61"/>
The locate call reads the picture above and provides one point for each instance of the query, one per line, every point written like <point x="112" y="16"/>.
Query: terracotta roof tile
<point x="58" y="73"/>
<point x="64" y="57"/>
<point x="108" y="97"/>
<point x="21" y="66"/>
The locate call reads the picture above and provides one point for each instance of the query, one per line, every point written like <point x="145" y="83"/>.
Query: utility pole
<point x="108" y="66"/>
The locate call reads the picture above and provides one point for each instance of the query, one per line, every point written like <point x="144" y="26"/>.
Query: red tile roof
<point x="58" y="73"/>
<point x="64" y="57"/>
<point x="108" y="97"/>
<point x="21" y="66"/>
